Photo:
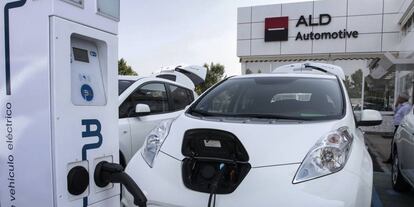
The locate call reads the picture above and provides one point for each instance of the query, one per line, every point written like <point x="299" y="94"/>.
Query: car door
<point x="123" y="123"/>
<point x="155" y="95"/>
<point x="407" y="146"/>
<point x="125" y="138"/>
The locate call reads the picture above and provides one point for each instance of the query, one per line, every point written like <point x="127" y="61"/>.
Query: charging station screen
<point x="80" y="55"/>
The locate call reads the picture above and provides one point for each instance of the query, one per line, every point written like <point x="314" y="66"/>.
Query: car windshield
<point x="123" y="85"/>
<point x="296" y="98"/>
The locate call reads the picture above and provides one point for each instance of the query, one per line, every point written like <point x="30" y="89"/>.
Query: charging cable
<point x="214" y="186"/>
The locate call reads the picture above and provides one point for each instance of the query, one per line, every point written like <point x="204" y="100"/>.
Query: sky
<point x="162" y="33"/>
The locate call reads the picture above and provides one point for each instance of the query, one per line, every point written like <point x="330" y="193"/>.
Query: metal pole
<point x="363" y="92"/>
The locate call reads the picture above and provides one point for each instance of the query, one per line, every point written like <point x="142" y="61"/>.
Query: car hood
<point x="267" y="143"/>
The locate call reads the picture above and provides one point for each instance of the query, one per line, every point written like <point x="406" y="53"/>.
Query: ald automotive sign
<point x="277" y="29"/>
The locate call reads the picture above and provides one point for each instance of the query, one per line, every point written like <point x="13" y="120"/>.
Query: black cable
<point x="212" y="197"/>
<point x="214" y="186"/>
<point x="214" y="202"/>
<point x="209" y="200"/>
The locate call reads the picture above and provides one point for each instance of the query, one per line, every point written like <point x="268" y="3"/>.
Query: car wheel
<point x="398" y="181"/>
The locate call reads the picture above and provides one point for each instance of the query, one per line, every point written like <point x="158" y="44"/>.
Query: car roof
<point x="299" y="75"/>
<point x="129" y="77"/>
<point x="149" y="78"/>
<point x="311" y="67"/>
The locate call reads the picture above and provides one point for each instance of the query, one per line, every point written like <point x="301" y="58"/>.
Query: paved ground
<point x="384" y="195"/>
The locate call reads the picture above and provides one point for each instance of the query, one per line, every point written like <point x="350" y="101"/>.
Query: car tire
<point x="399" y="183"/>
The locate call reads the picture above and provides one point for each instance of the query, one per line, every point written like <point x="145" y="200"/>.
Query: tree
<point x="354" y="84"/>
<point x="348" y="82"/>
<point x="260" y="71"/>
<point x="248" y="71"/>
<point x="357" y="81"/>
<point x="124" y="68"/>
<point x="215" y="74"/>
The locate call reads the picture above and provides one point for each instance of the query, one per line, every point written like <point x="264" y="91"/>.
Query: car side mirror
<point x="369" y="117"/>
<point x="142" y="109"/>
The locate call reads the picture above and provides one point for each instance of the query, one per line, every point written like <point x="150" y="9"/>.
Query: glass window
<point x="123" y="85"/>
<point x="181" y="97"/>
<point x="78" y="3"/>
<point x="405" y="82"/>
<point x="274" y="97"/>
<point x="168" y="77"/>
<point x="378" y="93"/>
<point x="153" y="94"/>
<point x="109" y="8"/>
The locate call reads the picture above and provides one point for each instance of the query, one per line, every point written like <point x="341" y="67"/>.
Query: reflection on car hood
<point x="276" y="143"/>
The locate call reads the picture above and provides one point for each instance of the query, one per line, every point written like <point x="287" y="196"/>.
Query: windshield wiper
<point x="269" y="116"/>
<point x="250" y="115"/>
<point x="200" y="113"/>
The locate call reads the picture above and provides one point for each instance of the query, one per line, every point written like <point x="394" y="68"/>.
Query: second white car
<point x="146" y="101"/>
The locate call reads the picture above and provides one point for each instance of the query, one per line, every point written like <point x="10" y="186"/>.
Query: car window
<point x="168" y="77"/>
<point x="266" y="97"/>
<point x="123" y="85"/>
<point x="181" y="97"/>
<point x="152" y="94"/>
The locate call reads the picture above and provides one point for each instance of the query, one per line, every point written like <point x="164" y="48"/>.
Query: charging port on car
<point x="216" y="162"/>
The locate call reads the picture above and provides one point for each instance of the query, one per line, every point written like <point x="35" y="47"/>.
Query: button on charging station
<point x="78" y="180"/>
<point x="87" y="92"/>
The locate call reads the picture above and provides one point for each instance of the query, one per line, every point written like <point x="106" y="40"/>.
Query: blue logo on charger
<point x="87" y="92"/>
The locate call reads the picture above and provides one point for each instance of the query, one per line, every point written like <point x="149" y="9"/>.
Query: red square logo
<point x="276" y="29"/>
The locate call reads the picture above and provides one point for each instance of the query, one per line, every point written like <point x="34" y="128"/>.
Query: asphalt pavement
<point x="383" y="195"/>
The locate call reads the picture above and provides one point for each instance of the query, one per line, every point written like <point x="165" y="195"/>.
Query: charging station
<point x="59" y="102"/>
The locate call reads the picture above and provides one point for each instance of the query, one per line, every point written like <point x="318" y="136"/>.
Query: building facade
<point x="372" y="40"/>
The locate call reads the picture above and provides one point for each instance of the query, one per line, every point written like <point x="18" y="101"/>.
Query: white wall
<point x="375" y="20"/>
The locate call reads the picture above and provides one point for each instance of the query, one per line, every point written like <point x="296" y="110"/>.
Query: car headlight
<point x="327" y="156"/>
<point x="154" y="141"/>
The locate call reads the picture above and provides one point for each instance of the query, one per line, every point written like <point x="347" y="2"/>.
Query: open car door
<point x="190" y="76"/>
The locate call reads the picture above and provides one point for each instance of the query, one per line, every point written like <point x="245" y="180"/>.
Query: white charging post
<point x="59" y="103"/>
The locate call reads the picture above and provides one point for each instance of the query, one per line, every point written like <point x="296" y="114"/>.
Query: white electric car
<point x="283" y="139"/>
<point x="145" y="101"/>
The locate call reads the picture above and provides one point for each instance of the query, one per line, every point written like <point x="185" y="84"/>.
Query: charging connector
<point x="106" y="173"/>
<point x="215" y="184"/>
